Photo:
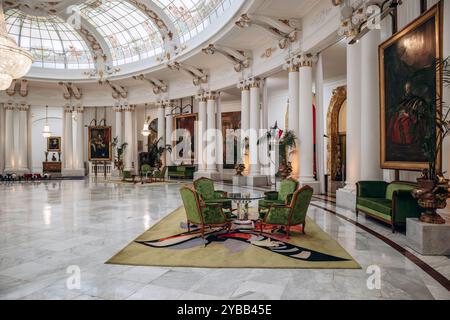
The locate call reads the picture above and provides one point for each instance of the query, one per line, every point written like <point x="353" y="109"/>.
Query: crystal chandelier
<point x="15" y="62"/>
<point x="46" y="132"/>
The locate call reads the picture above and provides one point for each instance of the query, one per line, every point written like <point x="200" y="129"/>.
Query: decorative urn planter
<point x="285" y="169"/>
<point x="432" y="195"/>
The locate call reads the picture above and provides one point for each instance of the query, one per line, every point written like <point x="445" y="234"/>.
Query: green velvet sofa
<point x="181" y="172"/>
<point x="391" y="203"/>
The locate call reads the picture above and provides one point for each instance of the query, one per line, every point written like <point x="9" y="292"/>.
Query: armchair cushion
<point x="383" y="206"/>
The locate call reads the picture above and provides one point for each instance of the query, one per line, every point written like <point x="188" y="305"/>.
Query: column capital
<point x="201" y="96"/>
<point x="254" y="82"/>
<point x="306" y="60"/>
<point x="23" y="107"/>
<point x="79" y="109"/>
<point x="117" y="108"/>
<point x="211" y="95"/>
<point x="292" y="64"/>
<point x="243" y="85"/>
<point x="129" y="108"/>
<point x="68" y="109"/>
<point x="9" y="106"/>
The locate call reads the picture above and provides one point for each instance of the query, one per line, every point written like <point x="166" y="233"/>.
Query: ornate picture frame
<point x="100" y="147"/>
<point x="54" y="144"/>
<point x="399" y="63"/>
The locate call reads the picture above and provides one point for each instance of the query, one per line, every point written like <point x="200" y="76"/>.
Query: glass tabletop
<point x="245" y="196"/>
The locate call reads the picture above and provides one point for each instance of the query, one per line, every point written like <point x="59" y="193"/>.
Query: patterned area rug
<point x="169" y="244"/>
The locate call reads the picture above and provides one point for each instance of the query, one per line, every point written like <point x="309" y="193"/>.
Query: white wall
<point x="38" y="142"/>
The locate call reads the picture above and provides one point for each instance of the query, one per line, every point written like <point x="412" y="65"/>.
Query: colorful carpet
<point x="169" y="244"/>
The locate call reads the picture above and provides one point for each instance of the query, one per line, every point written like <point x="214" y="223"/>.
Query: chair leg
<point x="203" y="235"/>
<point x="304" y="227"/>
<point x="189" y="227"/>
<point x="288" y="229"/>
<point x="393" y="228"/>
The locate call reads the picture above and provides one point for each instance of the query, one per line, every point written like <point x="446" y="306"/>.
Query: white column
<point x="245" y="121"/>
<point x="161" y="124"/>
<point x="292" y="67"/>
<point x="129" y="151"/>
<point x="219" y="137"/>
<point x="306" y="143"/>
<point x="9" y="137"/>
<point x="255" y="119"/>
<point x="169" y="131"/>
<point x="79" y="141"/>
<point x="201" y="131"/>
<point x="22" y="163"/>
<point x="320" y="123"/>
<point x="369" y="104"/>
<point x="211" y="144"/>
<point x="68" y="139"/>
<point x="119" y="127"/>
<point x="353" y="172"/>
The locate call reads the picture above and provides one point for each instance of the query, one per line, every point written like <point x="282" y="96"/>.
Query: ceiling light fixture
<point x="15" y="62"/>
<point x="46" y="132"/>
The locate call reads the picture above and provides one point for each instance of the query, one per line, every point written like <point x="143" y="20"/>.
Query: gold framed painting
<point x="54" y="144"/>
<point x="407" y="73"/>
<point x="100" y="147"/>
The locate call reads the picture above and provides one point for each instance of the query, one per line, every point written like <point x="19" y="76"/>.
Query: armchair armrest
<point x="405" y="206"/>
<point x="271" y="195"/>
<point x="371" y="189"/>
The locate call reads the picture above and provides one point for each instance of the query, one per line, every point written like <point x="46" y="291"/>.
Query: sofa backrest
<point x="395" y="186"/>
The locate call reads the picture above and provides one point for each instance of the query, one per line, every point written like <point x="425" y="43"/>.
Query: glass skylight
<point x="191" y="17"/>
<point x="53" y="43"/>
<point x="129" y="33"/>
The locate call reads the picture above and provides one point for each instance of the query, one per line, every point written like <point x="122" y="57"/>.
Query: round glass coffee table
<point x="242" y="200"/>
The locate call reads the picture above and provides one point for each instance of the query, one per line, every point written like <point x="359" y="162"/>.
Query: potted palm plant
<point x="155" y="151"/>
<point x="119" y="153"/>
<point x="432" y="192"/>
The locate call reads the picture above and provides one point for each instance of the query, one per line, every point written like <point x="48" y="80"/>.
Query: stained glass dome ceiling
<point x="127" y="29"/>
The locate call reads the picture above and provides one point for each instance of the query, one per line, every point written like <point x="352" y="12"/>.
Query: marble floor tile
<point x="47" y="227"/>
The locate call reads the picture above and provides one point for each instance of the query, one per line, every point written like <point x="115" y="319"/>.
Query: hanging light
<point x="15" y="62"/>
<point x="145" y="131"/>
<point x="46" y="132"/>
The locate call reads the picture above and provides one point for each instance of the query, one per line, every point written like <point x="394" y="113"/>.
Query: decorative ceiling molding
<point x="240" y="59"/>
<point x="285" y="31"/>
<point x="118" y="91"/>
<point x="19" y="86"/>
<point x="159" y="86"/>
<point x="70" y="90"/>
<point x="199" y="75"/>
<point x="41" y="8"/>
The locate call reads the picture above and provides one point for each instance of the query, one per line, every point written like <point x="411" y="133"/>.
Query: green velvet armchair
<point x="205" y="188"/>
<point x="391" y="203"/>
<point x="203" y="215"/>
<point x="282" y="197"/>
<point x="160" y="175"/>
<point x="292" y="214"/>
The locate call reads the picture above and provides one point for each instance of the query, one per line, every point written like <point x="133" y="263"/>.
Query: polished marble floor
<point x="52" y="232"/>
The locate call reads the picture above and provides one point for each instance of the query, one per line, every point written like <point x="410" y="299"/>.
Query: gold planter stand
<point x="431" y="196"/>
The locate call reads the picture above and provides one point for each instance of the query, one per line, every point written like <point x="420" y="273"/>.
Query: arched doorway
<point x="337" y="134"/>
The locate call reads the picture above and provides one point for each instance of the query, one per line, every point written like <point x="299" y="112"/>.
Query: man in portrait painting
<point x="99" y="143"/>
<point x="409" y="92"/>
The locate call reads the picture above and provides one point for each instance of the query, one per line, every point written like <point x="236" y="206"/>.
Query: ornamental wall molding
<point x="159" y="86"/>
<point x="284" y="30"/>
<point x="239" y="58"/>
<point x="199" y="76"/>
<point x="117" y="90"/>
<point x="70" y="90"/>
<point x="18" y="86"/>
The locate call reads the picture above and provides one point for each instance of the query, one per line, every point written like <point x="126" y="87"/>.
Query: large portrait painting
<point x="410" y="84"/>
<point x="100" y="148"/>
<point x="184" y="149"/>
